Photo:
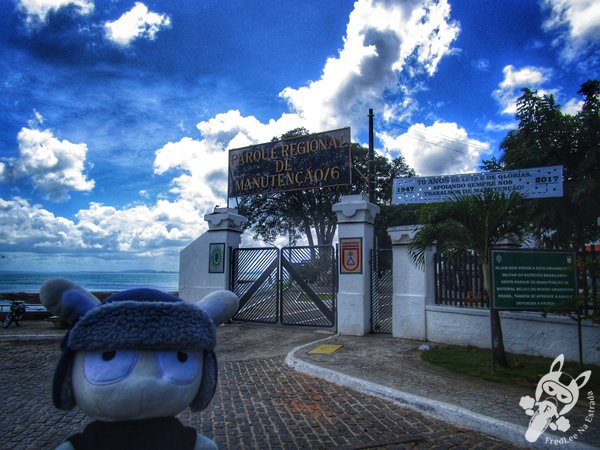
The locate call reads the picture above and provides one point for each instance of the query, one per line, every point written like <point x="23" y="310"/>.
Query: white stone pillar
<point x="412" y="286"/>
<point x="205" y="264"/>
<point x="355" y="217"/>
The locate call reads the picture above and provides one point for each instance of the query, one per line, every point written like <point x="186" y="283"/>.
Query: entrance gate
<point x="291" y="286"/>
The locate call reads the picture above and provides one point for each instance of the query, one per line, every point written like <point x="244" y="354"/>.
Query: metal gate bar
<point x="255" y="281"/>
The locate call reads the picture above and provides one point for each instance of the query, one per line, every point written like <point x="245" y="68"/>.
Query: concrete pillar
<point x="205" y="265"/>
<point x="355" y="216"/>
<point x="413" y="286"/>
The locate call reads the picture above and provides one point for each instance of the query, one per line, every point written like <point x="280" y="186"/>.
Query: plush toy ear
<point x="67" y="300"/>
<point x="219" y="305"/>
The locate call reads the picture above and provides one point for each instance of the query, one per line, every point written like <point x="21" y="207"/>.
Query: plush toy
<point x="133" y="362"/>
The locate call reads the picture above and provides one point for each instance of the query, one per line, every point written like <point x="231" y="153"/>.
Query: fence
<point x="459" y="280"/>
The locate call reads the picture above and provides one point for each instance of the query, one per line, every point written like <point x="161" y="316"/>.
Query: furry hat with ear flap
<point x="140" y="319"/>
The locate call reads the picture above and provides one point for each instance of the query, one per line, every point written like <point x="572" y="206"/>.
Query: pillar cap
<point x="403" y="234"/>
<point x="355" y="208"/>
<point x="225" y="219"/>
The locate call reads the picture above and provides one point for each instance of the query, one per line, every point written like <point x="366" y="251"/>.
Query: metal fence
<point x="588" y="279"/>
<point x="459" y="280"/>
<point x="382" y="277"/>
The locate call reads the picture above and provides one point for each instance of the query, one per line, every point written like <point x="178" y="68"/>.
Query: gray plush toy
<point x="135" y="361"/>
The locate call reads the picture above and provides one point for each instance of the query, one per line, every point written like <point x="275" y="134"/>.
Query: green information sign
<point x="533" y="279"/>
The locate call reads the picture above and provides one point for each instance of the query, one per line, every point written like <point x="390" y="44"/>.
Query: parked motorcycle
<point x="16" y="313"/>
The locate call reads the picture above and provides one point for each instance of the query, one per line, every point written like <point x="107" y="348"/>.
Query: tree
<point x="474" y="223"/>
<point x="545" y="136"/>
<point x="298" y="213"/>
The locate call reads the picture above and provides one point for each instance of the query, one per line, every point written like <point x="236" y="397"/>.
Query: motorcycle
<point x="16" y="313"/>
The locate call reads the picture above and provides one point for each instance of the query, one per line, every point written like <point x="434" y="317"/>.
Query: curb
<point x="30" y="337"/>
<point x="446" y="412"/>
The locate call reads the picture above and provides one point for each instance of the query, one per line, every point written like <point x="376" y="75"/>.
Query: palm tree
<point x="474" y="223"/>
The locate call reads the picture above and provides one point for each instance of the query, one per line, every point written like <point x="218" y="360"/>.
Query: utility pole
<point x="371" y="159"/>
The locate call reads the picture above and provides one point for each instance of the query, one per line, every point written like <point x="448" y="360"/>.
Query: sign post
<point x="536" y="182"/>
<point x="533" y="279"/>
<point x="304" y="162"/>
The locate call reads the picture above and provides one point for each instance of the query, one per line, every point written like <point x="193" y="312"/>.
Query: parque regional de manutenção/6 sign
<point x="305" y="162"/>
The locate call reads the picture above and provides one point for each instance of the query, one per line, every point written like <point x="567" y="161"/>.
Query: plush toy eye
<point x="109" y="366"/>
<point x="178" y="367"/>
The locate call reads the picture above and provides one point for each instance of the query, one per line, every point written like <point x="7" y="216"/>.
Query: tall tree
<point x="546" y="136"/>
<point x="298" y="213"/>
<point x="474" y="223"/>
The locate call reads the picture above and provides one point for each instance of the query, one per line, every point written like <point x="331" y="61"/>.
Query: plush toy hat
<point x="140" y="319"/>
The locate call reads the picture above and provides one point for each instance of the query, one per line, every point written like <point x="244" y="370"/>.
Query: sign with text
<point x="536" y="182"/>
<point x="533" y="279"/>
<point x="305" y="162"/>
<point x="350" y="255"/>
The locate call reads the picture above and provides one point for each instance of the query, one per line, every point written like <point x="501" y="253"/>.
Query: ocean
<point x="92" y="281"/>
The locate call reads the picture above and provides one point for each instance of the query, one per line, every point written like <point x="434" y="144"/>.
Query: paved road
<point x="260" y="403"/>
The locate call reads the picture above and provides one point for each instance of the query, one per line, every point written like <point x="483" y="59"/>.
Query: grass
<point x="524" y="370"/>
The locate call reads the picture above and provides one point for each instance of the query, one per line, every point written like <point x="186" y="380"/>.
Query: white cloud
<point x="25" y="226"/>
<point x="383" y="39"/>
<point x="54" y="167"/>
<point x="442" y="148"/>
<point x="136" y="23"/>
<point x="143" y="230"/>
<point x="573" y="106"/>
<point x="577" y="23"/>
<point x="38" y="10"/>
<point x="506" y="126"/>
<point x="509" y="90"/>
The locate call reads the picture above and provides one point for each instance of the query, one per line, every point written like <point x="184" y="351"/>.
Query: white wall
<point x="524" y="332"/>
<point x="415" y="316"/>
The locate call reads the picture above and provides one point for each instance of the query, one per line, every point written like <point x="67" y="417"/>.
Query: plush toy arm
<point x="220" y="306"/>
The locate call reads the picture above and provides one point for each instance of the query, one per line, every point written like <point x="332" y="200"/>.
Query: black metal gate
<point x="382" y="278"/>
<point x="291" y="286"/>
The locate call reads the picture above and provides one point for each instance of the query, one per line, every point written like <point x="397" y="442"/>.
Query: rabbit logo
<point x="556" y="394"/>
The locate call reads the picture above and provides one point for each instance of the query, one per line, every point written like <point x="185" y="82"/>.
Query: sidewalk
<point x="392" y="368"/>
<point x="381" y="366"/>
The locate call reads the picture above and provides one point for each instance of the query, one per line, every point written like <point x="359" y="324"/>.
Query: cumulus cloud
<point x="442" y="148"/>
<point x="577" y="23"/>
<point x="509" y="90"/>
<point x="36" y="11"/>
<point x="573" y="106"/>
<point x="383" y="40"/>
<point x="139" y="22"/>
<point x="55" y="167"/>
<point x="25" y="227"/>
<point x="142" y="230"/>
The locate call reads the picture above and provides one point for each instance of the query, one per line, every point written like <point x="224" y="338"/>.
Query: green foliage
<point x="297" y="213"/>
<point x="470" y="223"/>
<point x="525" y="370"/>
<point x="546" y="136"/>
<point x="473" y="223"/>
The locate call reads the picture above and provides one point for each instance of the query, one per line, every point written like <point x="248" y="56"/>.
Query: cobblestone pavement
<point x="260" y="404"/>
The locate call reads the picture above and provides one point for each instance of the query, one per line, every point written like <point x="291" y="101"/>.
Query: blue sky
<point x="115" y="116"/>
